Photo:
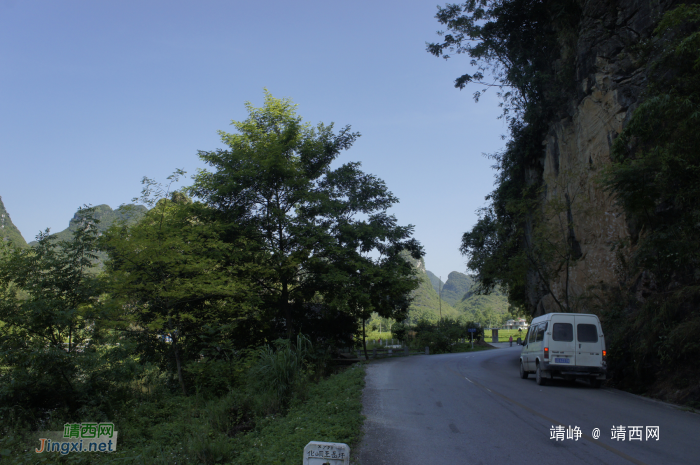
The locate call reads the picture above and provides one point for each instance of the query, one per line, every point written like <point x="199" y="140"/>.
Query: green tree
<point x="48" y="296"/>
<point x="275" y="186"/>
<point x="173" y="279"/>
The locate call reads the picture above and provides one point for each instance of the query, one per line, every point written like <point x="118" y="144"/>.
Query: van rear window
<point x="563" y="332"/>
<point x="540" y="331"/>
<point x="586" y="333"/>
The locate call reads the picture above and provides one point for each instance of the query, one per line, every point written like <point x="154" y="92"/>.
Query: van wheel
<point x="538" y="377"/>
<point x="523" y="374"/>
<point x="595" y="383"/>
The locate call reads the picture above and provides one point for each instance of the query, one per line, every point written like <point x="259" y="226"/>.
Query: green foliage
<point x="279" y="369"/>
<point x="484" y="309"/>
<point x="516" y="42"/>
<point x="525" y="46"/>
<point x="654" y="176"/>
<point x="274" y="188"/>
<point x="656" y="166"/>
<point x="57" y="357"/>
<point x="496" y="244"/>
<point x="48" y="298"/>
<point x="171" y="340"/>
<point x="176" y="276"/>
<point x="157" y="426"/>
<point x="332" y="414"/>
<point x="444" y="337"/>
<point x="426" y="303"/>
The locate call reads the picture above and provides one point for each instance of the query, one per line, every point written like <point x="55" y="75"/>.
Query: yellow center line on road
<point x="554" y="422"/>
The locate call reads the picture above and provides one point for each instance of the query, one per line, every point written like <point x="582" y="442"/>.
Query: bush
<point x="278" y="371"/>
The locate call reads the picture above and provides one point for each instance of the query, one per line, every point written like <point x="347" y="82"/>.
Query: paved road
<point x="475" y="409"/>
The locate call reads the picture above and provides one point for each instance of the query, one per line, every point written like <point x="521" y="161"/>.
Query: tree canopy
<point x="312" y="227"/>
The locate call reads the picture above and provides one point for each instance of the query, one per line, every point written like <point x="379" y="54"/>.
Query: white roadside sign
<point x="326" y="453"/>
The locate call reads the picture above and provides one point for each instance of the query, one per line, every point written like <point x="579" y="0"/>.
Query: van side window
<point x="586" y="333"/>
<point x="533" y="332"/>
<point x="563" y="332"/>
<point x="540" y="332"/>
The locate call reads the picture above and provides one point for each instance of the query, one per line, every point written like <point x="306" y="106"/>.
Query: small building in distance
<point x="520" y="323"/>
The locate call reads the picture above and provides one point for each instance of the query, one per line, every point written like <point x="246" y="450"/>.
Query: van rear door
<point x="562" y="347"/>
<point x="588" y="344"/>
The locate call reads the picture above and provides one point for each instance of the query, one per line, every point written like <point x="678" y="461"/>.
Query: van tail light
<point x="605" y="355"/>
<point x="546" y="353"/>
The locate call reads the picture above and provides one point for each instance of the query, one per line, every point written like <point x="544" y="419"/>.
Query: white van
<point x="564" y="345"/>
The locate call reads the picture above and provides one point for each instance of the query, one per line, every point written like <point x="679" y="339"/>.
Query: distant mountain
<point x="106" y="217"/>
<point x="434" y="280"/>
<point x="458" y="302"/>
<point x="426" y="304"/>
<point x="457" y="286"/>
<point x="472" y="304"/>
<point x="8" y="231"/>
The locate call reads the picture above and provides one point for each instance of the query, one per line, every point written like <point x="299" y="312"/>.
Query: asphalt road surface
<point x="473" y="408"/>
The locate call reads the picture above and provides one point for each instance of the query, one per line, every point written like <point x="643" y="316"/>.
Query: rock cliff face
<point x="8" y="231"/>
<point x="610" y="79"/>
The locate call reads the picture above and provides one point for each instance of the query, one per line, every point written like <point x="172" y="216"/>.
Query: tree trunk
<point x="286" y="311"/>
<point x="179" y="364"/>
<point x="364" y="337"/>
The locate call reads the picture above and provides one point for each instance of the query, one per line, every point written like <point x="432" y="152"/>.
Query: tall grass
<point x="278" y="370"/>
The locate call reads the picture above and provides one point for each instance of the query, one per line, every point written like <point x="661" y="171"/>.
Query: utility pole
<point x="440" y="300"/>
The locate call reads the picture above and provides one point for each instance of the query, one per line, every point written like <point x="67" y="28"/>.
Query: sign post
<point x="471" y="335"/>
<point x="326" y="453"/>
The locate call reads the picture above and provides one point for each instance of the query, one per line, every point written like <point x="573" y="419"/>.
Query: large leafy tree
<point x="48" y="295"/>
<point x="314" y="226"/>
<point x="174" y="281"/>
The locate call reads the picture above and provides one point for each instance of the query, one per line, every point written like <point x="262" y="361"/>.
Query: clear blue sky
<point x="96" y="95"/>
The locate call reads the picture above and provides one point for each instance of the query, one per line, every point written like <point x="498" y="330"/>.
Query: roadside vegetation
<point x="218" y="311"/>
<point x="253" y="421"/>
<point x="446" y="336"/>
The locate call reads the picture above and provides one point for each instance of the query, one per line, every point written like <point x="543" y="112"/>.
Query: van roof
<point x="548" y="316"/>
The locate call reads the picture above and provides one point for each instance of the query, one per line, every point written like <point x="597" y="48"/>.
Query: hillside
<point x="106" y="217"/>
<point x="9" y="230"/>
<point x="456" y="287"/>
<point x="457" y="294"/>
<point x="434" y="280"/>
<point x="426" y="304"/>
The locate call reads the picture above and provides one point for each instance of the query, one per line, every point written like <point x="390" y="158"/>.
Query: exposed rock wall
<point x="610" y="80"/>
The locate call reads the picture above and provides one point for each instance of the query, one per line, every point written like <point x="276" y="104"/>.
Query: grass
<point x="332" y="414"/>
<point x="504" y="334"/>
<point x="170" y="429"/>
